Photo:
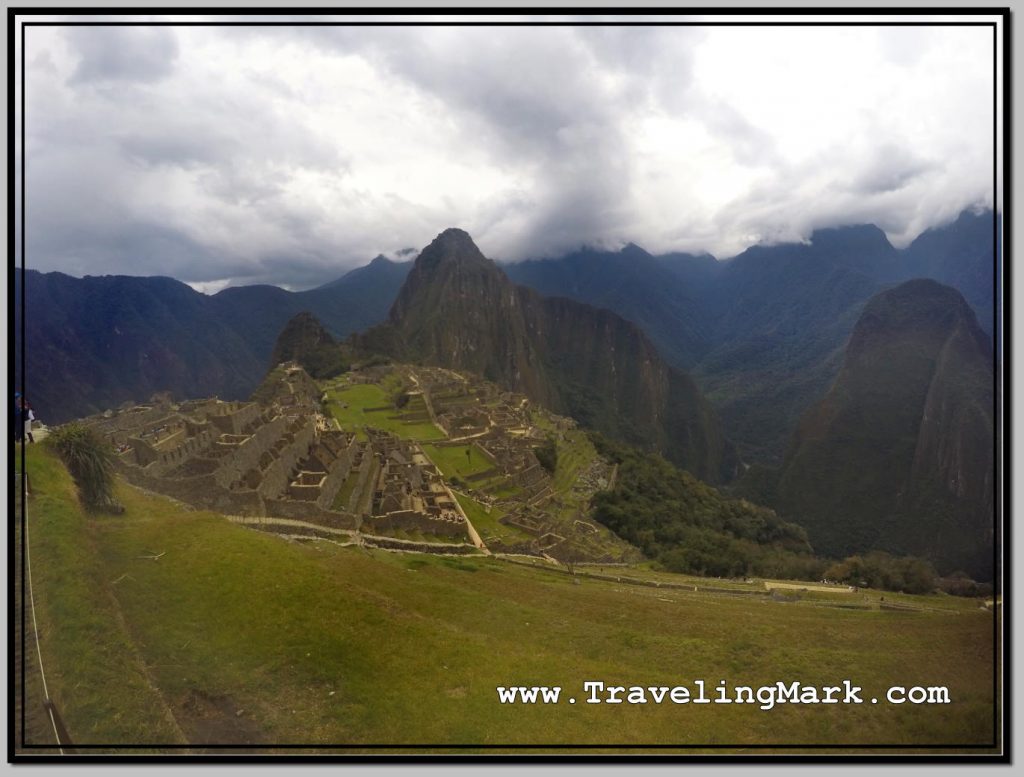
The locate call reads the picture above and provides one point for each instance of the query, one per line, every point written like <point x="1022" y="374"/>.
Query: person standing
<point x="29" y="416"/>
<point x="19" y="419"/>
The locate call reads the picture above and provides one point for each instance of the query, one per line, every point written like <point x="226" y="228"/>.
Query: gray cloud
<point x="890" y="169"/>
<point x="122" y="53"/>
<point x="289" y="155"/>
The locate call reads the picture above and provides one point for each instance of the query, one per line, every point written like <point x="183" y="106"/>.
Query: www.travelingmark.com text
<point x="765" y="696"/>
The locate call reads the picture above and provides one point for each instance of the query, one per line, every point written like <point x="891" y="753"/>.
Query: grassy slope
<point x="412" y="647"/>
<point x="87" y="650"/>
<point x="487" y="524"/>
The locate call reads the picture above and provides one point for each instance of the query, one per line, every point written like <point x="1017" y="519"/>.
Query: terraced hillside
<point x="481" y="440"/>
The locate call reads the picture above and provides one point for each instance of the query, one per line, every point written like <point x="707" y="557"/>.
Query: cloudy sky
<point x="288" y="155"/>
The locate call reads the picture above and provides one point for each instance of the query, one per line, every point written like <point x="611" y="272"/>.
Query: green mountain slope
<point x="305" y="341"/>
<point x="637" y="287"/>
<point x="762" y="334"/>
<point x="898" y="456"/>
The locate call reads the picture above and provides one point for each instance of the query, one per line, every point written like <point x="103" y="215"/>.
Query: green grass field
<point x="235" y="635"/>
<point x="574" y="456"/>
<point x="341" y="499"/>
<point x="453" y="461"/>
<point x="486" y="523"/>
<point x="360" y="405"/>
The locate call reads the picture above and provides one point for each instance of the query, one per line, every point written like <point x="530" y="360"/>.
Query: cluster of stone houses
<point x="279" y="458"/>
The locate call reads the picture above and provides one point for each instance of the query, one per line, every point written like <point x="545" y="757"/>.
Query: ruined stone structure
<point x="280" y="457"/>
<point x="410" y="494"/>
<point x="243" y="458"/>
<point x="280" y="461"/>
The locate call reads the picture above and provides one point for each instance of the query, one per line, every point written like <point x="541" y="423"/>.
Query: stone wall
<point x="307" y="492"/>
<point x="247" y="455"/>
<point x="234" y="419"/>
<point x="366" y="481"/>
<point x="393" y="543"/>
<point x="336" y="476"/>
<point x="308" y="511"/>
<point x="411" y="520"/>
<point x="278" y="474"/>
<point x="141" y="417"/>
<point x="192" y="446"/>
<point x="201" y="491"/>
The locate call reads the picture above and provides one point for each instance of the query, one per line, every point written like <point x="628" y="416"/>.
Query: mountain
<point x="457" y="309"/>
<point x="305" y="341"/>
<point x="780" y="316"/>
<point x="763" y="333"/>
<point x="898" y="455"/>
<point x="96" y="342"/>
<point x="356" y="301"/>
<point x="959" y="254"/>
<point x="635" y="285"/>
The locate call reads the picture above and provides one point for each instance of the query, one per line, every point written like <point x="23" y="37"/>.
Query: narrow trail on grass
<point x="122" y="623"/>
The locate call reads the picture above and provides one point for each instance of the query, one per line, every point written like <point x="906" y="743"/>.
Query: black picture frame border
<point x="999" y="751"/>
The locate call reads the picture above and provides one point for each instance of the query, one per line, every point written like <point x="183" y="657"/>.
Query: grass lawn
<point x="453" y="461"/>
<point x="345" y="492"/>
<point x="236" y="635"/>
<point x="486" y="524"/>
<point x="357" y="406"/>
<point x="574" y="456"/>
<point x="505" y="492"/>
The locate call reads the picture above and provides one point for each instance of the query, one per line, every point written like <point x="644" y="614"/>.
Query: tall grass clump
<point x="91" y="463"/>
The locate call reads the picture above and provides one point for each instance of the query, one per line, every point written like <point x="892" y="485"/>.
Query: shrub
<point x="959" y="584"/>
<point x="878" y="569"/>
<point x="91" y="463"/>
<point x="547" y="455"/>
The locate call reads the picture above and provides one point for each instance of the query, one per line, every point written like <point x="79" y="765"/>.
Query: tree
<point x="547" y="454"/>
<point x="571" y="556"/>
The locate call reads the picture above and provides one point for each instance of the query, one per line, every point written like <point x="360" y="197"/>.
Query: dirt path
<point x="832" y="589"/>
<point x="474" y="537"/>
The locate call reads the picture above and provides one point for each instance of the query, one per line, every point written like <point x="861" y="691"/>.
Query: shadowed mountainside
<point x="96" y="342"/>
<point x="763" y="333"/>
<point x="458" y="309"/>
<point x="899" y="455"/>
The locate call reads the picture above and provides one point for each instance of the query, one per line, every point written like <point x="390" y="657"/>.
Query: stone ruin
<point x="279" y="458"/>
<point x="410" y="494"/>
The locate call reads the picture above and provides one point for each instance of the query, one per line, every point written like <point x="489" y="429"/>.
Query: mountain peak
<point x="453" y="246"/>
<point x="633" y="249"/>
<point x="305" y="340"/>
<point x="853" y="236"/>
<point x="380" y="260"/>
<point x="910" y="419"/>
<point x="458" y="309"/>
